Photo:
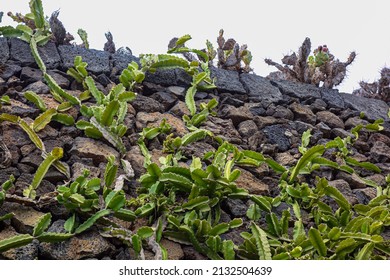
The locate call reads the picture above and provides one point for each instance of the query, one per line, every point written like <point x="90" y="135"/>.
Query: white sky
<point x="269" y="28"/>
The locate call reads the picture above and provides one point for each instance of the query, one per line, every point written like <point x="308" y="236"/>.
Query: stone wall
<point x="254" y="113"/>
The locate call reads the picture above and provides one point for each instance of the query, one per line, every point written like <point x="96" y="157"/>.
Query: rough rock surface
<point x="253" y="113"/>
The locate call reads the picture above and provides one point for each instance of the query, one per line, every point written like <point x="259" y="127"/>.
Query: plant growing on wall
<point x="379" y="89"/>
<point x="320" y="68"/>
<point x="231" y="55"/>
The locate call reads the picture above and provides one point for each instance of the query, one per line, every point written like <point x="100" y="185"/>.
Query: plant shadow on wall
<point x="181" y="197"/>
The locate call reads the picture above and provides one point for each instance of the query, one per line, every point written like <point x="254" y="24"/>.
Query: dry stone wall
<point x="254" y="113"/>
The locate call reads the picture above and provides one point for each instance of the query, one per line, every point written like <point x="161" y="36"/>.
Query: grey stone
<point x="180" y="109"/>
<point x="20" y="109"/>
<point x="121" y="59"/>
<point x="230" y="100"/>
<point x="339" y="132"/>
<point x="103" y="80"/>
<point x="373" y="109"/>
<point x="227" y="80"/>
<point x="247" y="128"/>
<point x="5" y="173"/>
<point x="260" y="89"/>
<point x="10" y="70"/>
<point x="378" y="137"/>
<point x="285" y="159"/>
<point x="223" y="128"/>
<point x="326" y="130"/>
<point x="98" y="61"/>
<point x="31" y="75"/>
<point x="20" y="52"/>
<point x="354" y="121"/>
<point x="364" y="196"/>
<point x="235" y="207"/>
<point x="386" y="128"/>
<point x="298" y="90"/>
<point x="330" y="119"/>
<point x="283" y="113"/>
<point x="276" y="134"/>
<point x="352" y="179"/>
<point x="237" y="115"/>
<point x="318" y="105"/>
<point x="174" y="250"/>
<point x="90" y="148"/>
<point x="333" y="98"/>
<point x="166" y="77"/>
<point x="253" y="185"/>
<point x="182" y="78"/>
<point x="24" y="181"/>
<point x="147" y="104"/>
<point x="262" y="122"/>
<point x="197" y="149"/>
<point x="165" y="98"/>
<point x="58" y="76"/>
<point x="14" y="135"/>
<point x="136" y="159"/>
<point x="4" y="50"/>
<point x="178" y="91"/>
<point x="256" y="109"/>
<point x="38" y="87"/>
<point x="303" y="113"/>
<point x="78" y="169"/>
<point x="380" y="152"/>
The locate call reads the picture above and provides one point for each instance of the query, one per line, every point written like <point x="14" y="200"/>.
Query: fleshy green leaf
<point x="15" y="241"/>
<point x="59" y="91"/>
<point x="109" y="113"/>
<point x="64" y="119"/>
<point x="90" y="222"/>
<point x="310" y="154"/>
<point x="37" y="10"/>
<point x="145" y="232"/>
<point x="366" y="252"/>
<point x="34" y="98"/>
<point x="56" y="154"/>
<point x="54" y="237"/>
<point x="42" y="224"/>
<point x="43" y="119"/>
<point x="228" y="250"/>
<point x="262" y="244"/>
<point x="189" y="99"/>
<point x="317" y="241"/>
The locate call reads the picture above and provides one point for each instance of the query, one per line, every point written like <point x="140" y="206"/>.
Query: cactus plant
<point x="231" y="54"/>
<point x="109" y="46"/>
<point x="379" y="89"/>
<point x="320" y="68"/>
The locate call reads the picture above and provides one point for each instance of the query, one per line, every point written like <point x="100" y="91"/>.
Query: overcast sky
<point x="271" y="29"/>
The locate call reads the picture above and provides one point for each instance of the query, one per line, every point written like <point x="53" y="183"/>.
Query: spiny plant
<point x="201" y="79"/>
<point x="29" y="129"/>
<point x="50" y="158"/>
<point x="107" y="116"/>
<point x="39" y="234"/>
<point x="231" y="54"/>
<point x="109" y="46"/>
<point x="81" y="197"/>
<point x="320" y="68"/>
<point x="84" y="38"/>
<point x="379" y="89"/>
<point x="5" y="187"/>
